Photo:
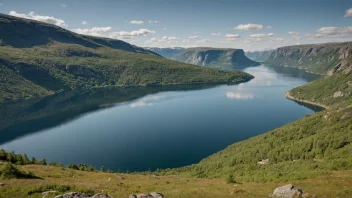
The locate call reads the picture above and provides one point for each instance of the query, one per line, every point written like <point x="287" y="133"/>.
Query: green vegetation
<point x="334" y="89"/>
<point x="9" y="171"/>
<point x="49" y="59"/>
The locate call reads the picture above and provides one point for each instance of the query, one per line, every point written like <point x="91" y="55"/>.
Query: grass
<point x="333" y="184"/>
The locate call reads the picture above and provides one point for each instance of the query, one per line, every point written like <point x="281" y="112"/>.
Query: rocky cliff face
<point x="216" y="57"/>
<point x="326" y="58"/>
<point x="259" y="56"/>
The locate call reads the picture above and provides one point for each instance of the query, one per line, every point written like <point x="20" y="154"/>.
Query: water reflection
<point x="23" y="117"/>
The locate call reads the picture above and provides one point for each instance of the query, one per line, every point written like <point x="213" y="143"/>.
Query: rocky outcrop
<point x="326" y="58"/>
<point x="82" y="195"/>
<point x="217" y="57"/>
<point x="259" y="56"/>
<point x="287" y="191"/>
<point x="148" y="195"/>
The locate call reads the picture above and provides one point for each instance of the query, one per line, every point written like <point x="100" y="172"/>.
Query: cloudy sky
<point x="247" y="24"/>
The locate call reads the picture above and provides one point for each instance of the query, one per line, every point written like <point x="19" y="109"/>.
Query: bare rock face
<point x="325" y="58"/>
<point x="288" y="191"/>
<point x="82" y="195"/>
<point x="148" y="195"/>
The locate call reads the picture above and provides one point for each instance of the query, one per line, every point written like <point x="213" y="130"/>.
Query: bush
<point x="230" y="179"/>
<point x="9" y="171"/>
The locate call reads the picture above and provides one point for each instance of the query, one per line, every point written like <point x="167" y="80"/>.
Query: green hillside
<point x="40" y="59"/>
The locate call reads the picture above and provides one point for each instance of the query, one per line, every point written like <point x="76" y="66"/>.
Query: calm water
<point x="141" y="128"/>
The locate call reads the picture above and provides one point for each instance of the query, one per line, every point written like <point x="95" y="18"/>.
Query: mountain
<point x="259" y="56"/>
<point x="170" y="53"/>
<point x="217" y="57"/>
<point x="39" y="59"/>
<point x="303" y="149"/>
<point x="323" y="58"/>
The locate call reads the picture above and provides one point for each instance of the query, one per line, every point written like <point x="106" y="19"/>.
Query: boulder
<point x="2" y="184"/>
<point x="101" y="196"/>
<point x="287" y="191"/>
<point x="148" y="195"/>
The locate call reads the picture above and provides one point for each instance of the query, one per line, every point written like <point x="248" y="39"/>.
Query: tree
<point x="43" y="162"/>
<point x="26" y="159"/>
<point x="102" y="169"/>
<point x="34" y="160"/>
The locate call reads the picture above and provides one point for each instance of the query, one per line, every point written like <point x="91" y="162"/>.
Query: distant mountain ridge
<point x="259" y="56"/>
<point x="168" y="52"/>
<point x="206" y="56"/>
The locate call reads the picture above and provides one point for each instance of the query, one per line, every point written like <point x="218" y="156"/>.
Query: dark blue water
<point x="142" y="128"/>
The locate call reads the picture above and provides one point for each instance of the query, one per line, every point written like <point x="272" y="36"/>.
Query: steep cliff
<point x="217" y="57"/>
<point x="325" y="58"/>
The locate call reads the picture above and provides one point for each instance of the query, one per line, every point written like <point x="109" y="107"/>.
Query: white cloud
<point x="34" y="16"/>
<point x="153" y="22"/>
<point x="203" y="41"/>
<point x="216" y="34"/>
<point x="135" y="22"/>
<point x="84" y="23"/>
<point x="249" y="26"/>
<point x="193" y="37"/>
<point x="95" y="31"/>
<point x="165" y="28"/>
<point x="295" y="35"/>
<point x="231" y="37"/>
<point x="332" y="32"/>
<point x="268" y="27"/>
<point x="261" y="35"/>
<point x="63" y="5"/>
<point x="107" y="32"/>
<point x="348" y="12"/>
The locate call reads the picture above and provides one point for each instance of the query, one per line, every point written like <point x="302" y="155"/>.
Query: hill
<point x="317" y="58"/>
<point x="216" y="57"/>
<point x="40" y="59"/>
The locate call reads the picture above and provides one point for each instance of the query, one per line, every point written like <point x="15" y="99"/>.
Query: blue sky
<point x="250" y="25"/>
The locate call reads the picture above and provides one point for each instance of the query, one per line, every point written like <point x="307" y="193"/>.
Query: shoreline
<point x="288" y="96"/>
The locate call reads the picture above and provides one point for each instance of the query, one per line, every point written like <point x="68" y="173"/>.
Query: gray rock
<point x="287" y="191"/>
<point x="148" y="195"/>
<point x="73" y="195"/>
<point x="82" y="195"/>
<point x="101" y="196"/>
